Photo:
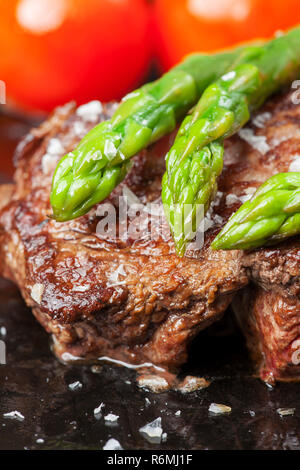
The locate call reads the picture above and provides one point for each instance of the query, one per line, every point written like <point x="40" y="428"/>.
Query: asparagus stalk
<point x="89" y="173"/>
<point x="225" y="106"/>
<point x="272" y="215"/>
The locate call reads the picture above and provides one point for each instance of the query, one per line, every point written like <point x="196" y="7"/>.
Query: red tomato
<point x="53" y="51"/>
<point x="186" y="26"/>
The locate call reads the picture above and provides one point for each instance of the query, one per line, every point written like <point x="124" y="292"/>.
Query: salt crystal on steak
<point x="98" y="411"/>
<point x="295" y="165"/>
<point x="37" y="291"/>
<point x="258" y="142"/>
<point x="155" y="383"/>
<point x="90" y="111"/>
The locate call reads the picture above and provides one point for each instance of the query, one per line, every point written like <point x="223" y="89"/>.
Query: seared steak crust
<point x="272" y="328"/>
<point x="152" y="308"/>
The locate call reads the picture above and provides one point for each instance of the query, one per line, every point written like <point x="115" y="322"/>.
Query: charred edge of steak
<point x="271" y="324"/>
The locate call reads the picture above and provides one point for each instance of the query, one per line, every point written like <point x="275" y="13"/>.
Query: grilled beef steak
<point x="131" y="298"/>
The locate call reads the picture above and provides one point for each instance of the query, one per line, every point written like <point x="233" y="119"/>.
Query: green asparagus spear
<point x="88" y="174"/>
<point x="272" y="215"/>
<point x="223" y="109"/>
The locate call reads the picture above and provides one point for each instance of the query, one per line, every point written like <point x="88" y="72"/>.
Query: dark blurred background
<point x="53" y="51"/>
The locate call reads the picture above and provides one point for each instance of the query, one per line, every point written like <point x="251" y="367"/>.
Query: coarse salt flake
<point x="295" y="165"/>
<point x="286" y="411"/>
<point x="154" y="383"/>
<point x="218" y="409"/>
<point x="55" y="147"/>
<point x="192" y="384"/>
<point x="258" y="142"/>
<point x="112" y="444"/>
<point x="110" y="149"/>
<point x="208" y="222"/>
<point x="231" y="199"/>
<point x="14" y="415"/>
<point x="114" y="277"/>
<point x="79" y="128"/>
<point x="90" y="111"/>
<point x="152" y="432"/>
<point x="250" y="190"/>
<point x="3" y="331"/>
<point x="98" y="410"/>
<point x="75" y="386"/>
<point x="245" y="198"/>
<point x="218" y="219"/>
<point x="112" y="418"/>
<point x="48" y="163"/>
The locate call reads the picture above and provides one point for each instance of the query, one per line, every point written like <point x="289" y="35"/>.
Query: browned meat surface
<point x="272" y="328"/>
<point x="135" y="300"/>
